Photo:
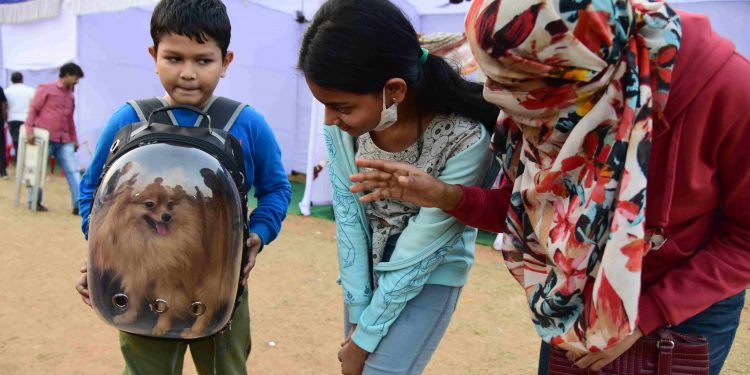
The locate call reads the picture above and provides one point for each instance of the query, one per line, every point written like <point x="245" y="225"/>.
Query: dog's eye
<point x="150" y="204"/>
<point x="170" y="205"/>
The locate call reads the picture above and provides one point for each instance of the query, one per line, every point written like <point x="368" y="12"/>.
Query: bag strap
<point x="223" y="111"/>
<point x="665" y="346"/>
<point x="144" y="107"/>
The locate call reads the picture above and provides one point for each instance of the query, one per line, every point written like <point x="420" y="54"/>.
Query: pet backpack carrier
<point x="168" y="228"/>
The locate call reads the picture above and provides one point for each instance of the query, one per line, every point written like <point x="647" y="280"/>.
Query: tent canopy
<point x="421" y="7"/>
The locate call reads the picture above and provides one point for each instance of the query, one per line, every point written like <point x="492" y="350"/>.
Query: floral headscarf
<point x="579" y="83"/>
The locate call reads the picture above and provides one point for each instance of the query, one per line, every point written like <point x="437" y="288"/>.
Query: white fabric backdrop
<point x="112" y="47"/>
<point x="27" y="11"/>
<point x="41" y="44"/>
<point x="318" y="191"/>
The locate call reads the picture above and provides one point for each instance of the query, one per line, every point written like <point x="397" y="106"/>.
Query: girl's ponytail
<point x="444" y="91"/>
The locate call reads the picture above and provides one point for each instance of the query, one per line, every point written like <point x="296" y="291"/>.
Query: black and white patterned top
<point x="445" y="136"/>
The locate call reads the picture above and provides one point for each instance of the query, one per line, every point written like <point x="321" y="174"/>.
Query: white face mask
<point x="388" y="116"/>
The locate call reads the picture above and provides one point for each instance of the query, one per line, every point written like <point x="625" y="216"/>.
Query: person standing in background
<point x="3" y="117"/>
<point x="52" y="109"/>
<point x="19" y="97"/>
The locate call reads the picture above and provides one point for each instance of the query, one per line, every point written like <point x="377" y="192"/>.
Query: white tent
<point x="109" y="39"/>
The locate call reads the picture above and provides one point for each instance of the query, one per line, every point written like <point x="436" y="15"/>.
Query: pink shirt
<point x="52" y="109"/>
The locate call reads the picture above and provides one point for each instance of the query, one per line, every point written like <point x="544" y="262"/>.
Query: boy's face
<point x="189" y="70"/>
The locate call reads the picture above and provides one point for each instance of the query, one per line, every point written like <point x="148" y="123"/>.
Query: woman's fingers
<point x="369" y="186"/>
<point x="382" y="165"/>
<point x="379" y="194"/>
<point x="571" y="356"/>
<point x="600" y="364"/>
<point x="373" y="175"/>
<point x="588" y="359"/>
<point x="387" y="166"/>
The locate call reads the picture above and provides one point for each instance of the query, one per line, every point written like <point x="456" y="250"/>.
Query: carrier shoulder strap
<point x="223" y="111"/>
<point x="144" y="107"/>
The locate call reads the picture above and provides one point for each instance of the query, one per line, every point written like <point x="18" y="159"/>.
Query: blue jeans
<point x="416" y="333"/>
<point x="65" y="157"/>
<point x="718" y="324"/>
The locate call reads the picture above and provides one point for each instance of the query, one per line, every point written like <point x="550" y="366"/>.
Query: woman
<point x="626" y="201"/>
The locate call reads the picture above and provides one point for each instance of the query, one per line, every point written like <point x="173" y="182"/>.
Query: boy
<point x="191" y="38"/>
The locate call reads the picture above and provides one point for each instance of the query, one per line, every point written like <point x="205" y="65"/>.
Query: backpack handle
<point x="197" y="110"/>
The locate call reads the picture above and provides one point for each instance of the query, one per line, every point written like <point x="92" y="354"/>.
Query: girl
<point x="401" y="267"/>
<point x="626" y="206"/>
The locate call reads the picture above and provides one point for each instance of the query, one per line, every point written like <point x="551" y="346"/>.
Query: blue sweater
<point x="434" y="248"/>
<point x="262" y="165"/>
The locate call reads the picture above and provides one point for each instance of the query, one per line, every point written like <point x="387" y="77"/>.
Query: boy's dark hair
<point x="196" y="19"/>
<point x="357" y="45"/>
<point x="71" y="69"/>
<point x="16" y="77"/>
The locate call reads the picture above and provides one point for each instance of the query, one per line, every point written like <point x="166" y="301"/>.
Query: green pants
<point x="223" y="353"/>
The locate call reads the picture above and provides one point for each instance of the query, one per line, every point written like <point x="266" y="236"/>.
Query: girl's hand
<point x="392" y="180"/>
<point x="352" y="358"/>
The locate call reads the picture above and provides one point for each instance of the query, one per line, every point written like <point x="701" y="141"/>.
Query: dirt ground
<point x="295" y="303"/>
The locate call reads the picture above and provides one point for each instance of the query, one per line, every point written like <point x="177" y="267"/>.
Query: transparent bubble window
<point x="165" y="243"/>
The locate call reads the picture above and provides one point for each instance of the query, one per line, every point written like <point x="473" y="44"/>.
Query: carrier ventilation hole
<point x="197" y="308"/>
<point x="120" y="301"/>
<point x="159" y="306"/>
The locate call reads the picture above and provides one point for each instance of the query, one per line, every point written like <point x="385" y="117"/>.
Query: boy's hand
<point x="352" y="358"/>
<point x="82" y="286"/>
<point x="253" y="247"/>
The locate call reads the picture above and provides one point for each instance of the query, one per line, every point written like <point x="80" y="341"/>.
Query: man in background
<point x="52" y="109"/>
<point x="19" y="97"/>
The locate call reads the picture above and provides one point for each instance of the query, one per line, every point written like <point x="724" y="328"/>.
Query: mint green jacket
<point x="434" y="248"/>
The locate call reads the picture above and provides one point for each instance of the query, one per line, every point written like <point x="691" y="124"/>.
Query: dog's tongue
<point x="160" y="228"/>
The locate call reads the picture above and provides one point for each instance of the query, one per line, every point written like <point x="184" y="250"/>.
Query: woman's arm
<point x="474" y="206"/>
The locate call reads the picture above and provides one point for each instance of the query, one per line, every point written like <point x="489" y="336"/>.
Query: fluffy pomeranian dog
<point x="163" y="244"/>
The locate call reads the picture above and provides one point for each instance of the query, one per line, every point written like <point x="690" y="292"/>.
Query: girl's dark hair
<point x="195" y="19"/>
<point x="358" y="45"/>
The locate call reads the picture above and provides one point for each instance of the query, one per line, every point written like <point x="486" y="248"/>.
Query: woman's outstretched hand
<point x="405" y="182"/>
